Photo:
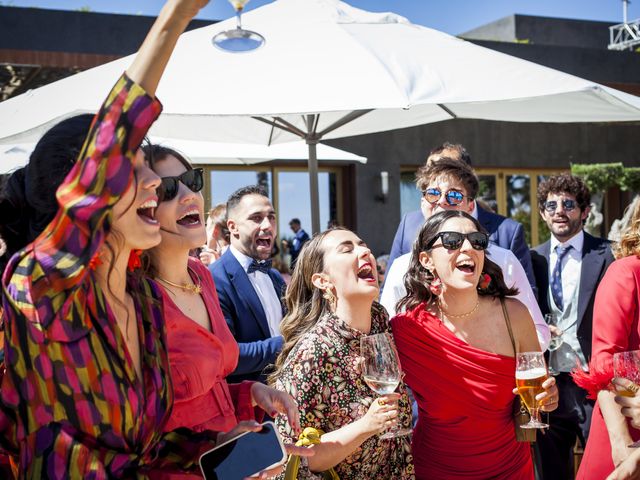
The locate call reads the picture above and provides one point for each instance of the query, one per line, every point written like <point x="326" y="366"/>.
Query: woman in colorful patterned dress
<point x="202" y="350"/>
<point x="457" y="347"/>
<point x="86" y="391"/>
<point x="331" y="305"/>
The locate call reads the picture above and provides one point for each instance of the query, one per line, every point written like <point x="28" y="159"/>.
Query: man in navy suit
<point x="568" y="269"/>
<point x="503" y="231"/>
<point x="250" y="291"/>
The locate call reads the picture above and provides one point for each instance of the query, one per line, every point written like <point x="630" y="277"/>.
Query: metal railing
<point x="624" y="35"/>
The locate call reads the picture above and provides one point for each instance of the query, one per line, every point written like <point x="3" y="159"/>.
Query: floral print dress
<point x="323" y="375"/>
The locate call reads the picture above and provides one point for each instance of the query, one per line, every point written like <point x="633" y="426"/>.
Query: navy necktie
<point x="264" y="266"/>
<point x="556" y="276"/>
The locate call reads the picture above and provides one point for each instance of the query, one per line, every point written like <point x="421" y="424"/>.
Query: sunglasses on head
<point x="454" y="240"/>
<point x="453" y="197"/>
<point x="551" y="206"/>
<point x="169" y="186"/>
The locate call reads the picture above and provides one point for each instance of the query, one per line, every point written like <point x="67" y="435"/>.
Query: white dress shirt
<point x="263" y="286"/>
<point x="571" y="263"/>
<point x="514" y="276"/>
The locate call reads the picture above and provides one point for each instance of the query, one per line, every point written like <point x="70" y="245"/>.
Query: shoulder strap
<point x="508" y="322"/>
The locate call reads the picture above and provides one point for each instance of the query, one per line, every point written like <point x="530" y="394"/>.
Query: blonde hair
<point x="629" y="243"/>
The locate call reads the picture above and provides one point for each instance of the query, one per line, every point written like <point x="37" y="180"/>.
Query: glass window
<point x="409" y="194"/>
<point x="543" y="231"/>
<point x="294" y="202"/>
<point x="225" y="182"/>
<point x="487" y="191"/>
<point x="519" y="202"/>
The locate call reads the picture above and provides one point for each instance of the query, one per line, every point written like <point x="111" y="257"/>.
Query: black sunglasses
<point x="454" y="240"/>
<point x="168" y="189"/>
<point x="551" y="206"/>
<point x="453" y="197"/>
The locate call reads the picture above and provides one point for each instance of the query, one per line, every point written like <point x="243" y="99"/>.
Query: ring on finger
<point x="633" y="387"/>
<point x="381" y="402"/>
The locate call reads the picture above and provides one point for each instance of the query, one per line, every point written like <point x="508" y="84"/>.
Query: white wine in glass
<point x="238" y="40"/>
<point x="531" y="372"/>
<point x="381" y="370"/>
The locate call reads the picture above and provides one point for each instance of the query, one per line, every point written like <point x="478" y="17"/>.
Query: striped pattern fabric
<point x="71" y="404"/>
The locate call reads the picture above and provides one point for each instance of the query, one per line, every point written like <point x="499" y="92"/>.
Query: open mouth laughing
<point x="190" y="218"/>
<point x="365" y="272"/>
<point x="467" y="266"/>
<point x="147" y="211"/>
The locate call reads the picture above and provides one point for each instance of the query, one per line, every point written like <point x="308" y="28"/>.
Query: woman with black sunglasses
<point x="202" y="350"/>
<point x="457" y="350"/>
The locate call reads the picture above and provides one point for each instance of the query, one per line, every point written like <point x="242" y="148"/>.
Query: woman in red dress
<point x="456" y="351"/>
<point x="616" y="328"/>
<point x="202" y="350"/>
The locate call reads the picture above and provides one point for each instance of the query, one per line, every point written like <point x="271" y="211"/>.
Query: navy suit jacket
<point x="503" y="231"/>
<point x="246" y="318"/>
<point x="596" y="258"/>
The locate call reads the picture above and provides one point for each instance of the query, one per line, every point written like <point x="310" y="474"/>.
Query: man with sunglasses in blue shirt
<point x="504" y="232"/>
<point x="568" y="268"/>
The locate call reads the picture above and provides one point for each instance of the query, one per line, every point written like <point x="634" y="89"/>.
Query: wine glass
<point x="381" y="369"/>
<point x="238" y="39"/>
<point x="531" y="372"/>
<point x="627" y="365"/>
<point x="556" y="339"/>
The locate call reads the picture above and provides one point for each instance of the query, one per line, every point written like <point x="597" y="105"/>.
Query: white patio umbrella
<point x="327" y="71"/>
<point x="207" y="153"/>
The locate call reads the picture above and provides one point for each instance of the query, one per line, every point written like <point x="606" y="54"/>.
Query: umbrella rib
<point x="286" y="126"/>
<point x="447" y="110"/>
<point x="349" y="117"/>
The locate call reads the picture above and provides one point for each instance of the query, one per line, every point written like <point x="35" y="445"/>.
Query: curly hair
<point x="418" y="278"/>
<point x="564" y="183"/>
<point x="449" y="168"/>
<point x="629" y="243"/>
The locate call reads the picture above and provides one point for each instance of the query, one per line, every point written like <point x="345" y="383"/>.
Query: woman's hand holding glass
<point x="382" y="414"/>
<point x="381" y="371"/>
<point x="537" y="390"/>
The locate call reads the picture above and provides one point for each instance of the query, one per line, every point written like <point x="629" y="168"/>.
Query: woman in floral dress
<point x="331" y="305"/>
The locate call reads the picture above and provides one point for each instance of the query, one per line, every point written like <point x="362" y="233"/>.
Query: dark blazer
<point x="596" y="258"/>
<point x="246" y="318"/>
<point x="503" y="231"/>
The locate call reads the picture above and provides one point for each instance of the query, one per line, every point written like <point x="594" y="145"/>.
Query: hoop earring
<point x="331" y="299"/>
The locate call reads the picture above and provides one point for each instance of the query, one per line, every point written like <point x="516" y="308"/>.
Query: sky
<point x="451" y="16"/>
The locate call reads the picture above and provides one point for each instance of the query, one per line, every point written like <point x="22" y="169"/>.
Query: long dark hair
<point x="418" y="278"/>
<point x="304" y="301"/>
<point x="28" y="199"/>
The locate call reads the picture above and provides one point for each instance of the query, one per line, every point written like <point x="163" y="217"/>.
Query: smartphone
<point x="245" y="455"/>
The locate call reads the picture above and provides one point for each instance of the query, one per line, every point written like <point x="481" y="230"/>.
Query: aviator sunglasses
<point x="453" y="197"/>
<point x="192" y="179"/>
<point x="552" y="205"/>
<point x="454" y="240"/>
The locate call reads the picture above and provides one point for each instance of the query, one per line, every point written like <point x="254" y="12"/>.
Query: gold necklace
<point x="195" y="288"/>
<point x="462" y="315"/>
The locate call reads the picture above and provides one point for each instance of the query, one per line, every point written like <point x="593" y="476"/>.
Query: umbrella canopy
<point x="207" y="153"/>
<point x="328" y="70"/>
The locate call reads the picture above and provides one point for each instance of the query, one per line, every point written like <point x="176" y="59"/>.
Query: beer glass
<point x="531" y="372"/>
<point x="381" y="370"/>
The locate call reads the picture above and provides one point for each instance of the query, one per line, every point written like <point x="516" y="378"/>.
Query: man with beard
<point x="249" y="290"/>
<point x="567" y="269"/>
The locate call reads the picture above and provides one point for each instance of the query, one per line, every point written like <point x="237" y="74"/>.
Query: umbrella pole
<point x="313" y="185"/>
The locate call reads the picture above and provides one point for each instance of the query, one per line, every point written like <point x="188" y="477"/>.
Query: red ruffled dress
<point x="200" y="361"/>
<point x="465" y="428"/>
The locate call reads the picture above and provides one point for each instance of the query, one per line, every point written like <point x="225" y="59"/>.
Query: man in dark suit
<point x="300" y="238"/>
<point x="250" y="291"/>
<point x="567" y="269"/>
<point x="503" y="231"/>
